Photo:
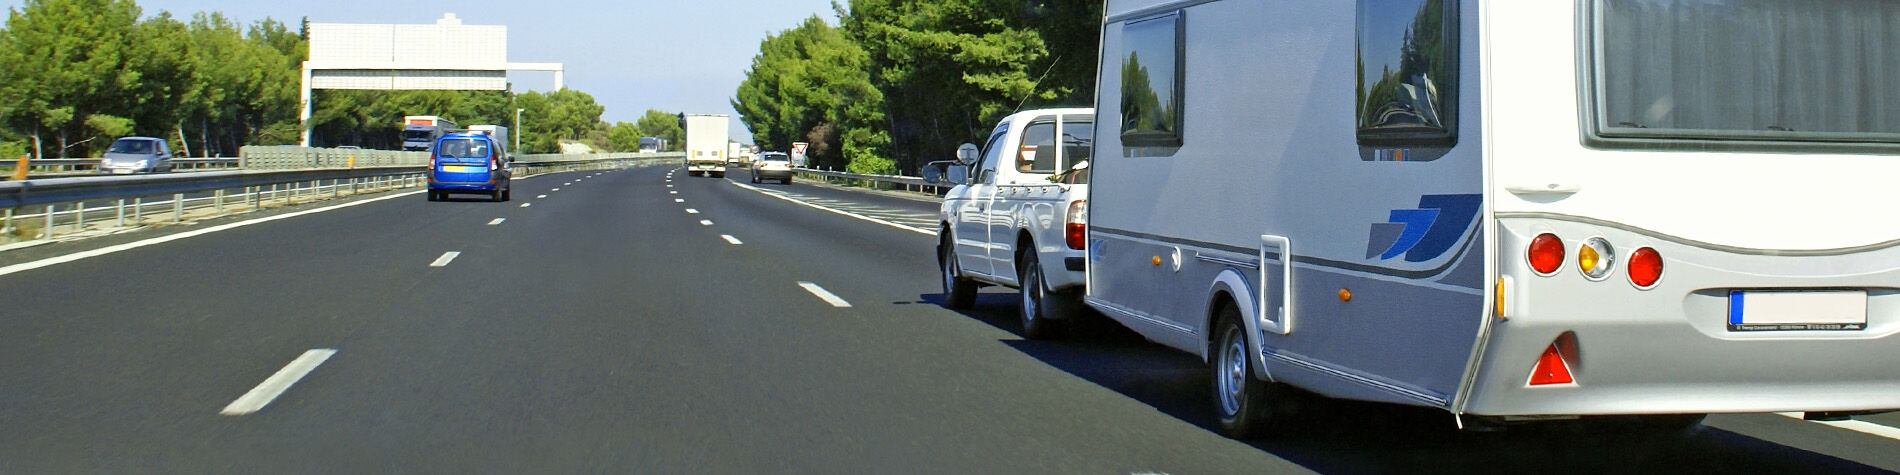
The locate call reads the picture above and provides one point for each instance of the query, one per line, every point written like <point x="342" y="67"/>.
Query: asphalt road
<point x="643" y="320"/>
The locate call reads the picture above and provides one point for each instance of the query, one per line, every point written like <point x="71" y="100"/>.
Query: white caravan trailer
<point x="1511" y="210"/>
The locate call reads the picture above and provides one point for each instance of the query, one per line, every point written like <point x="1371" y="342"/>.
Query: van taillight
<point x="1546" y="253"/>
<point x="1076" y="231"/>
<point x="1646" y="267"/>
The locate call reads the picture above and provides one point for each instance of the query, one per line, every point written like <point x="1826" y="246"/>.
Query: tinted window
<point x="142" y="147"/>
<point x="1407" y="72"/>
<point x="463" y="148"/>
<point x="1151" y="82"/>
<point x="1808" y="71"/>
<point x="775" y="157"/>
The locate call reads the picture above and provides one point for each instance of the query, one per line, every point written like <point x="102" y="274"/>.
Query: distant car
<point x="136" y="155"/>
<point x="772" y="166"/>
<point x="471" y="163"/>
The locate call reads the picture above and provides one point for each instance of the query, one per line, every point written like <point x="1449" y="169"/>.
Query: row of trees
<point x="74" y="74"/>
<point x="901" y="83"/>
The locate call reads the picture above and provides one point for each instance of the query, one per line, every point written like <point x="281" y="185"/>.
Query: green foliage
<point x="11" y="150"/>
<point x="900" y="83"/>
<point x="623" y="137"/>
<point x="811" y="84"/>
<point x="657" y="123"/>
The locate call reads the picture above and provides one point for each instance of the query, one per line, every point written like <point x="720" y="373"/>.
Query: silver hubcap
<point x="1233" y="371"/>
<point x="949" y="271"/>
<point x="1032" y="293"/>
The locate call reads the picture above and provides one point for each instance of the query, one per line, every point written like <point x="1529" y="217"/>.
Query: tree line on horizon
<point x="76" y="74"/>
<point x="897" y="84"/>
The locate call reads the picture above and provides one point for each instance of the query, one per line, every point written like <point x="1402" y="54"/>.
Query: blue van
<point x="466" y="162"/>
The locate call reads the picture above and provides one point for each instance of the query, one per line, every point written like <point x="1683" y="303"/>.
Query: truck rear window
<point x="1039" y="150"/>
<point x="1746" y="71"/>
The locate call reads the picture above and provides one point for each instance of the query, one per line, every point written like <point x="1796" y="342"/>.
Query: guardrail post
<point x="138" y="209"/>
<point x="121" y="208"/>
<point x="79" y="210"/>
<point x="178" y="207"/>
<point x="48" y="230"/>
<point x="217" y="200"/>
<point x="7" y="226"/>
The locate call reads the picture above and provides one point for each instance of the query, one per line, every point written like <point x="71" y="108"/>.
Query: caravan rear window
<point x="1742" y="71"/>
<point x="1407" y="72"/>
<point x="1151" y="82"/>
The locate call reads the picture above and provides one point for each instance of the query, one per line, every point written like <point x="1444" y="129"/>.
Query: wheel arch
<point x="1231" y="288"/>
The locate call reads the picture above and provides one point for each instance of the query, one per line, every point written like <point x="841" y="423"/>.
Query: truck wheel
<point x="958" y="292"/>
<point x="1241" y="402"/>
<point x="1037" y="324"/>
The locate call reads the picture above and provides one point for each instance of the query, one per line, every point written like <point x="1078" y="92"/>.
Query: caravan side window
<point x="1151" y="82"/>
<point x="1407" y="78"/>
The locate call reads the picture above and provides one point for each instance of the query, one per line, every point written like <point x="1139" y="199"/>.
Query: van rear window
<point x="1741" y="71"/>
<point x="463" y="148"/>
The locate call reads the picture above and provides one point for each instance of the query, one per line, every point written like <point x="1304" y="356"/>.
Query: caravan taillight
<point x="1546" y="253"/>
<point x="1076" y="231"/>
<point x="1646" y="267"/>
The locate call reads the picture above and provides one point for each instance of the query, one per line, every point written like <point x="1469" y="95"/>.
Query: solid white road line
<point x="846" y="213"/>
<point x="705" y="222"/>
<point x="1854" y="425"/>
<point x="691" y="211"/>
<point x="728" y="237"/>
<point x="276" y="384"/>
<point x="825" y="295"/>
<point x="445" y="259"/>
<point x="26" y="266"/>
<point x="497" y="221"/>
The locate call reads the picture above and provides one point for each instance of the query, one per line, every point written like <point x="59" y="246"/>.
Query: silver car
<point x="136" y="155"/>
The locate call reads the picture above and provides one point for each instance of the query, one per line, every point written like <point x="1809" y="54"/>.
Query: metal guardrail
<point x="72" y="165"/>
<point x="907" y="183"/>
<point x="209" y="189"/>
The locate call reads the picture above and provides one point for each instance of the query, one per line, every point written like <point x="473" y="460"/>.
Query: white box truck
<point x="500" y="134"/>
<point x="419" y="132"/>
<point x="706" y="140"/>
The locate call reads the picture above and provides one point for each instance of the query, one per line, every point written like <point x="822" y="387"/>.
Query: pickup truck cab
<point x="1017" y="216"/>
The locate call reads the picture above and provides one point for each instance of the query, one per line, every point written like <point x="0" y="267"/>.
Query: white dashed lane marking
<point x="497" y="221"/>
<point x="446" y="258"/>
<point x="728" y="237"/>
<point x="524" y="205"/>
<point x="705" y="222"/>
<point x="679" y="200"/>
<point x="825" y="295"/>
<point x="276" y="384"/>
<point x="691" y="211"/>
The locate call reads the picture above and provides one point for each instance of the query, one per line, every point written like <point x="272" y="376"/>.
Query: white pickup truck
<point x="1017" y="216"/>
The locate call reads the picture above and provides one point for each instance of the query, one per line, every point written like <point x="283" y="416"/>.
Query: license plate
<point x="459" y="169"/>
<point x="1783" y="310"/>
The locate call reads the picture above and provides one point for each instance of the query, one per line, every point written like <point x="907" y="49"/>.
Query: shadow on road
<point x="1333" y="436"/>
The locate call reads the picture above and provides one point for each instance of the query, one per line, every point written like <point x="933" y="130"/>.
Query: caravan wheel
<point x="1241" y="401"/>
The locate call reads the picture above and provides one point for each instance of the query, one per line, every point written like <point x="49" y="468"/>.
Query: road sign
<point x="798" y="153"/>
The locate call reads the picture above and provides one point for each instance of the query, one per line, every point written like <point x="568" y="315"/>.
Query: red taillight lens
<point x="494" y="164"/>
<point x="1646" y="267"/>
<point x="1551" y="368"/>
<point x="1076" y="229"/>
<point x="1546" y="253"/>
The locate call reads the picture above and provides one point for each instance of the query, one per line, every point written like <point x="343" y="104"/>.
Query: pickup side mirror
<point x="932" y="174"/>
<point x="967" y="154"/>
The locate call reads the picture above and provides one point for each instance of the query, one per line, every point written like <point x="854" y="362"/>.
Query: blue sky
<point x="630" y="55"/>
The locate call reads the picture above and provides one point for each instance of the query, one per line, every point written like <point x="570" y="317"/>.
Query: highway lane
<point x="606" y="328"/>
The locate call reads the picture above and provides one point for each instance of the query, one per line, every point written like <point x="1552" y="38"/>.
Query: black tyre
<point x="1241" y="402"/>
<point x="958" y="292"/>
<point x="785" y="181"/>
<point x="1037" y="324"/>
<point x="433" y="196"/>
<point x="507" y="194"/>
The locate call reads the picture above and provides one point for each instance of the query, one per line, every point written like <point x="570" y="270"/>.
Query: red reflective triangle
<point x="1551" y="369"/>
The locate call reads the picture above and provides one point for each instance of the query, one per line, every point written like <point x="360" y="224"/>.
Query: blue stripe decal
<point x="1735" y="307"/>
